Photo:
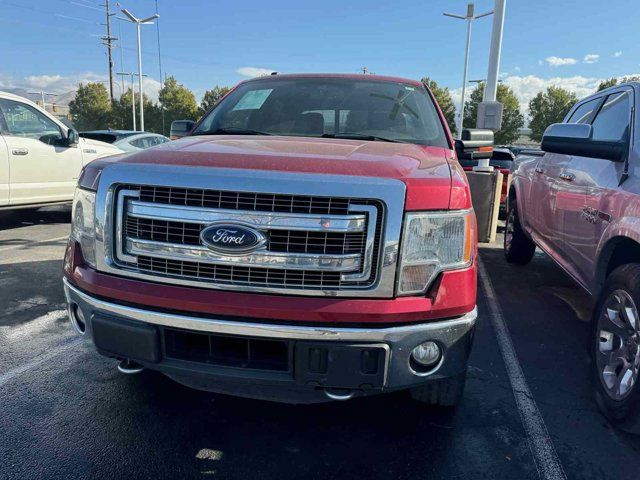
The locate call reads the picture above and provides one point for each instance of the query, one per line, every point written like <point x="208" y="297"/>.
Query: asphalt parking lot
<point x="67" y="413"/>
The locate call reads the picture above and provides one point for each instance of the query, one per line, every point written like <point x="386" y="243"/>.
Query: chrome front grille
<point x="318" y="243"/>
<point x="148" y="229"/>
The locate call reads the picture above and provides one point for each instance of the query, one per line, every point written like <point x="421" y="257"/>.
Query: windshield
<point x="328" y="107"/>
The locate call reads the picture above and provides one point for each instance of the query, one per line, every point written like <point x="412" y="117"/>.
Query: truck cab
<point x="312" y="239"/>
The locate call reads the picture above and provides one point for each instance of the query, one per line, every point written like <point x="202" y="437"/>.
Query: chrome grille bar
<point x="265" y="259"/>
<point x="262" y="220"/>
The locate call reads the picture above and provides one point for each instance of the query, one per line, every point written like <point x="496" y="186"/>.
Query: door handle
<point x="567" y="177"/>
<point x="20" y="151"/>
<point x="539" y="170"/>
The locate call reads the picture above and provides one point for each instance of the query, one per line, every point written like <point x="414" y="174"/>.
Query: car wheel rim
<point x="618" y="345"/>
<point x="508" y="233"/>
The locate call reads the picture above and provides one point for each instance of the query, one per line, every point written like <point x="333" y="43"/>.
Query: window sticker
<point x="253" y="100"/>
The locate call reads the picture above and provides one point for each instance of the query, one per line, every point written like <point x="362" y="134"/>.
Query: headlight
<point x="431" y="243"/>
<point x="83" y="224"/>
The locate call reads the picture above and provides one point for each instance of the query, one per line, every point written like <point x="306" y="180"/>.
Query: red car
<point x="311" y="239"/>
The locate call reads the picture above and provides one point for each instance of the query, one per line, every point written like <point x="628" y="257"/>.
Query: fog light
<point x="426" y="354"/>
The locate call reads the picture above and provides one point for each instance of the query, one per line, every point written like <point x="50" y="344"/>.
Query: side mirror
<point x="576" y="139"/>
<point x="474" y="144"/>
<point x="189" y="124"/>
<point x="72" y="137"/>
<point x="181" y="128"/>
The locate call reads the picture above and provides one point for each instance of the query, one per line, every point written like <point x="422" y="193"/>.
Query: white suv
<point x="40" y="157"/>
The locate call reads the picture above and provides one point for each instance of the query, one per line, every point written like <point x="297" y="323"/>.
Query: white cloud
<point x="560" y="61"/>
<point x="254" y="71"/>
<point x="591" y="58"/>
<point x="62" y="84"/>
<point x="617" y="54"/>
<point x="516" y="68"/>
<point x="526" y="87"/>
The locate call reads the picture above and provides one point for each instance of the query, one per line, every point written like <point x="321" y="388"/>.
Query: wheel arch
<point x="618" y="250"/>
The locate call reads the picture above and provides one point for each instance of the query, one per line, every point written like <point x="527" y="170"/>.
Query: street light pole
<point x="491" y="88"/>
<point x="469" y="17"/>
<point x="138" y="22"/>
<point x="133" y="96"/>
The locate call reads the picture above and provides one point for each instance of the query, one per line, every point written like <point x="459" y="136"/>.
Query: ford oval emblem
<point x="232" y="238"/>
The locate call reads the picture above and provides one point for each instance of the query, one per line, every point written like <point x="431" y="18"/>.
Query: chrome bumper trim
<point x="266" y="259"/>
<point x="446" y="331"/>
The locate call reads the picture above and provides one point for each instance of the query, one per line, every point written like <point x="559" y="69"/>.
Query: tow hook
<point x="341" y="394"/>
<point x="128" y="367"/>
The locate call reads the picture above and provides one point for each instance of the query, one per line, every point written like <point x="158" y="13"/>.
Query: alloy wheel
<point x="618" y="345"/>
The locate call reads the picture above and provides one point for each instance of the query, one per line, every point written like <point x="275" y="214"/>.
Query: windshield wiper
<point x="232" y="131"/>
<point x="355" y="136"/>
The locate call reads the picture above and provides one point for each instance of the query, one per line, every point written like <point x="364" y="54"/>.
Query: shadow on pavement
<point x="20" y="218"/>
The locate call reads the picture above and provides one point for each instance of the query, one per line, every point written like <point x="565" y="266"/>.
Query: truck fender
<point x="622" y="229"/>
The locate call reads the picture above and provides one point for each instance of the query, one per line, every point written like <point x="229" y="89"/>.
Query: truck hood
<point x="424" y="169"/>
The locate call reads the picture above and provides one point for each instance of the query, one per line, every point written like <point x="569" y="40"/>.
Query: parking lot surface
<point x="67" y="413"/>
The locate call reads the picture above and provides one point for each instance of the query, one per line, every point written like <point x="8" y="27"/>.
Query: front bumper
<point x="144" y="335"/>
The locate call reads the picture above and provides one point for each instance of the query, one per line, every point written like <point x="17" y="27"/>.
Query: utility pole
<point x="108" y="41"/>
<point x="365" y="70"/>
<point x="133" y="95"/>
<point x="138" y="22"/>
<point x="469" y="17"/>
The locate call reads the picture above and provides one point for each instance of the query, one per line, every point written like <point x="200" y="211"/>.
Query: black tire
<point x="518" y="248"/>
<point x="623" y="411"/>
<point x="445" y="392"/>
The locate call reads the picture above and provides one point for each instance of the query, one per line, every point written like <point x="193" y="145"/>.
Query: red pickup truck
<point x="311" y="239"/>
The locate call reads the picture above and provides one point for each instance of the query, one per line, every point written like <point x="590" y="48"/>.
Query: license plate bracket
<point x="341" y="365"/>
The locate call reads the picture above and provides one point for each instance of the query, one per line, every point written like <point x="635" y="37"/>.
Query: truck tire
<point x="518" y="248"/>
<point x="445" y="392"/>
<point x="615" y="348"/>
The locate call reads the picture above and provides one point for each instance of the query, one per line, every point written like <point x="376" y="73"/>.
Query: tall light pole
<point x="469" y="17"/>
<point x="133" y="96"/>
<point x="138" y="22"/>
<point x="491" y="88"/>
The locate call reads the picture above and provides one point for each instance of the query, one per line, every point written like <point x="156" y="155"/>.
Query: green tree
<point x="178" y="102"/>
<point x="614" y="81"/>
<point x="211" y="97"/>
<point x="512" y="119"/>
<point x="121" y="114"/>
<point x="443" y="97"/>
<point x="91" y="108"/>
<point x="549" y="107"/>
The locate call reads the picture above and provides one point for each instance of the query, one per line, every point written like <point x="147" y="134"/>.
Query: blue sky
<point x="53" y="44"/>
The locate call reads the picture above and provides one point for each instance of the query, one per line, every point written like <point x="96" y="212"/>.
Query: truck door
<point x="4" y="171"/>
<point x="42" y="170"/>
<point x="592" y="180"/>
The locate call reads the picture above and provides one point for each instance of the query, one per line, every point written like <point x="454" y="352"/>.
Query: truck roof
<point x="354" y="76"/>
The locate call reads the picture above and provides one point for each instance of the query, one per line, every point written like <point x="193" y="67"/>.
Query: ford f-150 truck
<point x="580" y="203"/>
<point x="312" y="238"/>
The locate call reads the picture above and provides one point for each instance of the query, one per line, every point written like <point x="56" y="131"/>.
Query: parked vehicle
<point x="312" y="239"/>
<point x="503" y="160"/>
<point x="180" y="128"/>
<point x="40" y="157"/>
<point x="580" y="203"/>
<point x="127" y="140"/>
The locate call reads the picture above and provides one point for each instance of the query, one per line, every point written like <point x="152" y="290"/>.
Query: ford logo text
<point x="232" y="238"/>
